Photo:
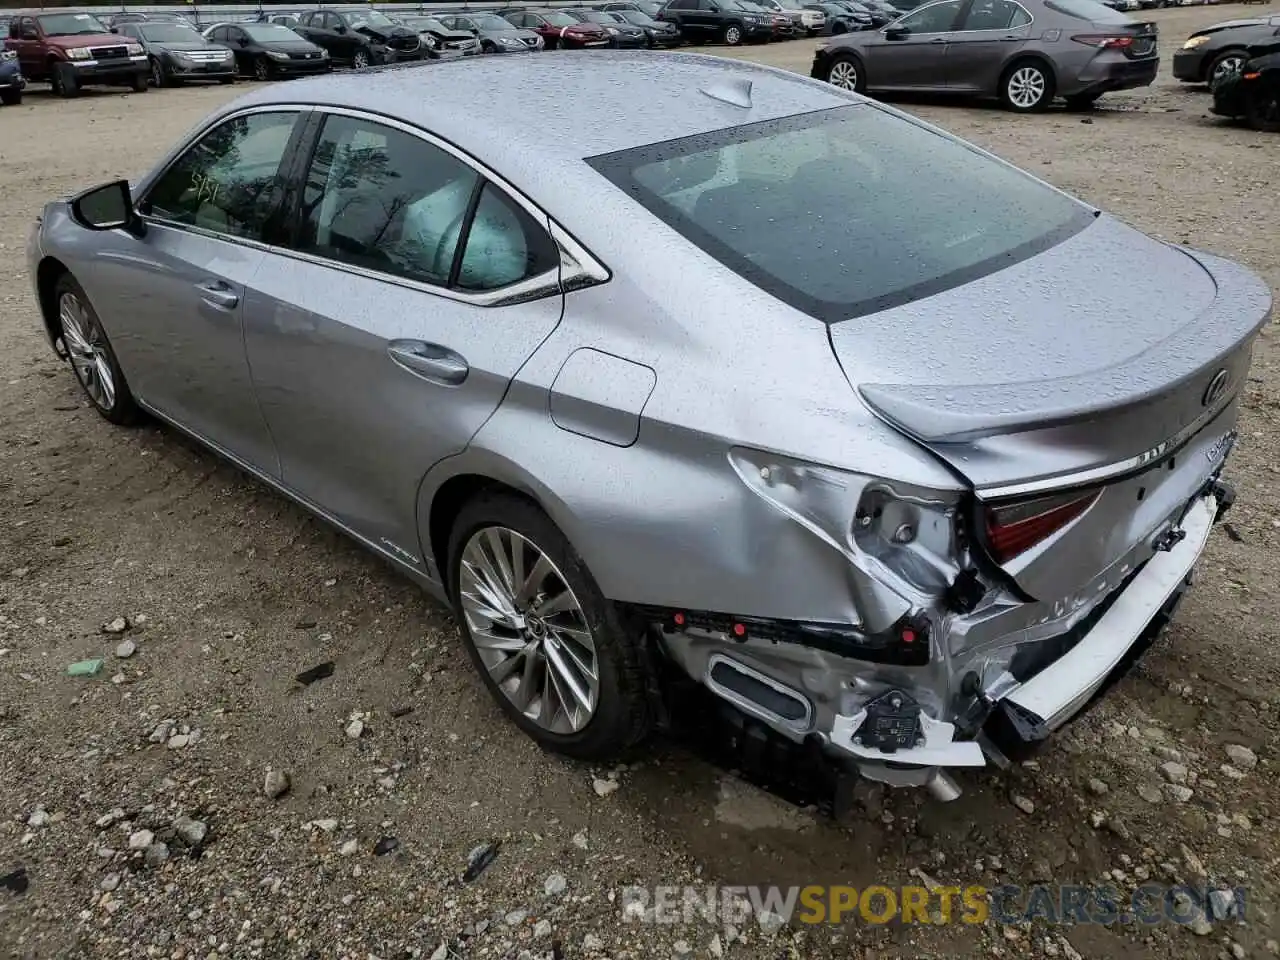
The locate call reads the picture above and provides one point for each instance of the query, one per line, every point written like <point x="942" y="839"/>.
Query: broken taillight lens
<point x="1013" y="528"/>
<point x="1116" y="42"/>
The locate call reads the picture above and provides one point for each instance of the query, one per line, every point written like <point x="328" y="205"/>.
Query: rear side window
<point x="846" y="211"/>
<point x="1090" y="10"/>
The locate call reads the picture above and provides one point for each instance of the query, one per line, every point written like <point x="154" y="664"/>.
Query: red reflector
<point x="1104" y="40"/>
<point x="739" y="630"/>
<point x="679" y="619"/>
<point x="908" y="635"/>
<point x="1250" y="76"/>
<point x="1017" y="527"/>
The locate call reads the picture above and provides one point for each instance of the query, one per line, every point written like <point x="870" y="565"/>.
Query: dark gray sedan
<point x="1026" y="52"/>
<point x="496" y="34"/>
<point x="1211" y="53"/>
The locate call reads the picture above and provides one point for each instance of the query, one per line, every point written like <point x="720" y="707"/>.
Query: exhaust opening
<point x="758" y="694"/>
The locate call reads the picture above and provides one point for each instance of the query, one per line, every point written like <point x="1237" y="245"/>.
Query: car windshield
<point x="71" y="25"/>
<point x="371" y="19"/>
<point x="490" y="21"/>
<point x="638" y="18"/>
<point x="268" y="32"/>
<point x="426" y="23"/>
<point x="558" y="19"/>
<point x="1090" y="10"/>
<point x="846" y="211"/>
<point x="169" y="33"/>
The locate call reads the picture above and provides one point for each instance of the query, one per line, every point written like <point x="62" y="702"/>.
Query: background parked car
<point x="12" y="81"/>
<point x="179" y="53"/>
<point x="658" y="33"/>
<point x="1253" y="91"/>
<point x="558" y="29"/>
<point x="266" y="51"/>
<point x="728" y="21"/>
<point x="289" y="20"/>
<point x="1077" y="49"/>
<point x="651" y="7"/>
<point x="73" y="50"/>
<point x="622" y="35"/>
<point x="439" y="40"/>
<point x="783" y="27"/>
<point x="496" y="35"/>
<point x="805" y="18"/>
<point x="162" y="17"/>
<point x="360" y="38"/>
<point x="1209" y="54"/>
<point x="839" y="20"/>
<point x="863" y="16"/>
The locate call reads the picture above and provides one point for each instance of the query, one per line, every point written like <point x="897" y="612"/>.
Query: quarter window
<point x="229" y="181"/>
<point x="504" y="245"/>
<point x="996" y="15"/>
<point x="378" y="198"/>
<point x="938" y="18"/>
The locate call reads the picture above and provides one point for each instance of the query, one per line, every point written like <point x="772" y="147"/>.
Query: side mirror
<point x="896" y="33"/>
<point x="340" y="28"/>
<point x="108" y="207"/>
<point x="115" y="29"/>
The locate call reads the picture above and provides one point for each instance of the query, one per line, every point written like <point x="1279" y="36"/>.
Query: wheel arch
<point x="1206" y="63"/>
<point x="47" y="273"/>
<point x="1039" y="59"/>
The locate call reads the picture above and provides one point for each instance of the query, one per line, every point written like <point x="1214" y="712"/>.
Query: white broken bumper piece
<point x="1058" y="692"/>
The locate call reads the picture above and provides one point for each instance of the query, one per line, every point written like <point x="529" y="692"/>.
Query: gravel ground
<point x="135" y="799"/>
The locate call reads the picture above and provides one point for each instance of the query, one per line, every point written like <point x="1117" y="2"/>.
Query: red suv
<point x="71" y="50"/>
<point x="559" y="29"/>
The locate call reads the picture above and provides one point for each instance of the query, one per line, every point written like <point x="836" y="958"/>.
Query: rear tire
<point x="1027" y="87"/>
<point x="1083" y="102"/>
<point x="11" y="98"/>
<point x="93" y="361"/>
<point x="587" y="629"/>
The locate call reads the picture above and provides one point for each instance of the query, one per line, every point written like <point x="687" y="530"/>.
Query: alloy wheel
<point x="84" y="342"/>
<point x="1225" y="67"/>
<point x="843" y="75"/>
<point x="157" y="73"/>
<point x="360" y="60"/>
<point x="261" y="70"/>
<point x="732" y="36"/>
<point x="529" y="629"/>
<point x="1026" y="87"/>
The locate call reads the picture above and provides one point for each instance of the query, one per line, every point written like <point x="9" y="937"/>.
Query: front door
<point x="382" y="343"/>
<point x="991" y="32"/>
<point x="174" y="297"/>
<point x="911" y="53"/>
<point x="24" y="37"/>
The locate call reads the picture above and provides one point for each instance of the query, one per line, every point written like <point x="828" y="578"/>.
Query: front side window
<point x="847" y="211"/>
<point x="379" y="198"/>
<point x="995" y="15"/>
<point x="1090" y="10"/>
<point x="229" y="181"/>
<point x="938" y="18"/>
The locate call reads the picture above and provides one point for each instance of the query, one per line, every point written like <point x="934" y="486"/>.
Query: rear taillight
<point x="1013" y="528"/>
<point x="1104" y="41"/>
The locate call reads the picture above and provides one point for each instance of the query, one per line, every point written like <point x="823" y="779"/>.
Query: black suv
<point x="361" y="38"/>
<point x="725" y="20"/>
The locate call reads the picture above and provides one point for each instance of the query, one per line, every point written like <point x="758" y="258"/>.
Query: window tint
<point x="938" y="18"/>
<point x="996" y="15"/>
<point x="229" y="181"/>
<point x="1090" y="10"/>
<point x="504" y="245"/>
<point x="378" y="198"/>
<point x="846" y="211"/>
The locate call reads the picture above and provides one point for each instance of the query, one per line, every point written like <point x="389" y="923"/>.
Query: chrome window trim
<point x="922" y="7"/>
<point x="1030" y="22"/>
<point x="578" y="267"/>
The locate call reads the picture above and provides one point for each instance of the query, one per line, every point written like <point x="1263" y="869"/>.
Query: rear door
<point x="991" y="32"/>
<point x="414" y="290"/>
<point x="916" y="59"/>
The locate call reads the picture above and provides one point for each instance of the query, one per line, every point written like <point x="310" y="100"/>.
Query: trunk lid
<point x="1092" y="361"/>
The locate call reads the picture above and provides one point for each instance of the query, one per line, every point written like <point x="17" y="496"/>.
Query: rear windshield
<point x="846" y="211"/>
<point x="1090" y="10"/>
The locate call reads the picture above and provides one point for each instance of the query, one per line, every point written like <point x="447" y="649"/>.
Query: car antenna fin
<point x="735" y="91"/>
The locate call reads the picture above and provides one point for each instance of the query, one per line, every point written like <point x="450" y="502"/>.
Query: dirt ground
<point x="230" y="591"/>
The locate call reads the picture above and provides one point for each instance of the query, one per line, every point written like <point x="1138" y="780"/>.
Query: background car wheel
<point x="159" y="75"/>
<point x="141" y="82"/>
<point x="261" y="69"/>
<point x="226" y="80"/>
<point x="11" y="98"/>
<point x="845" y="72"/>
<point x="1027" y="86"/>
<point x="64" y="81"/>
<point x="92" y="359"/>
<point x="1227" y="62"/>
<point x="552" y="650"/>
<point x="732" y="35"/>
<point x="360" y="60"/>
<point x="1083" y="102"/>
<point x="1263" y="110"/>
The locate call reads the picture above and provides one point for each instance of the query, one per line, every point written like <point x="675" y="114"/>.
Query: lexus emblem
<point x="1216" y="388"/>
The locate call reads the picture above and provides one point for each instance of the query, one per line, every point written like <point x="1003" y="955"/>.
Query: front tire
<point x="159" y="75"/>
<point x="140" y="83"/>
<point x="92" y="359"/>
<point x="553" y="652"/>
<point x="1262" y="110"/>
<point x="11" y="98"/>
<point x="360" y="60"/>
<point x="732" y="35"/>
<point x="845" y="71"/>
<point x="64" y="81"/>
<point x="1026" y="87"/>
<point x="1227" y="62"/>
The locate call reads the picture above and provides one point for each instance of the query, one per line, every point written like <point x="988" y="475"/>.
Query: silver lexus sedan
<point x="898" y="451"/>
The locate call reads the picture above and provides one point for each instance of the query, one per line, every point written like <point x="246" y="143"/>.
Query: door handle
<point x="218" y="294"/>
<point x="1010" y="38"/>
<point x="429" y="360"/>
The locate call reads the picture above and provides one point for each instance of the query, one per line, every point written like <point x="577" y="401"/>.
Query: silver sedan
<point x="766" y="388"/>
